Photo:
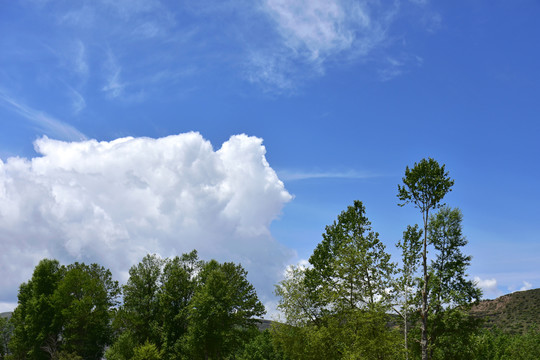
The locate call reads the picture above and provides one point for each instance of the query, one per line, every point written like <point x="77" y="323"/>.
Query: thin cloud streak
<point x="78" y="103"/>
<point x="300" y="175"/>
<point x="114" y="87"/>
<point x="46" y="123"/>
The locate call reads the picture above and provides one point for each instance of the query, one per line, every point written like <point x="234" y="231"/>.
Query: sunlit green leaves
<point x="425" y="185"/>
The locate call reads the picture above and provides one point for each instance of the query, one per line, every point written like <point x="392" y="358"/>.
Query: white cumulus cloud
<point x="113" y="202"/>
<point x="489" y="287"/>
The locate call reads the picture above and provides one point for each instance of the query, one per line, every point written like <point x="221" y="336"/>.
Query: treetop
<point x="425" y="185"/>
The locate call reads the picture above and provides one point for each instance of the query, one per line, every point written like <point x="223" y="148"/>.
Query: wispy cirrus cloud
<point x="114" y="87"/>
<point x="80" y="65"/>
<point x="78" y="103"/>
<point x="319" y="28"/>
<point x="302" y="40"/>
<point x="288" y="175"/>
<point x="315" y="33"/>
<point x="44" y="122"/>
<point x="392" y="67"/>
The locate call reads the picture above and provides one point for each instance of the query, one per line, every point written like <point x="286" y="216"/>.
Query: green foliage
<point x="338" y="307"/>
<point x="514" y="313"/>
<point x="177" y="288"/>
<point x="185" y="309"/>
<point x="298" y="302"/>
<point x="410" y="246"/>
<point x="64" y="311"/>
<point x="141" y="308"/>
<point x="148" y="351"/>
<point x="64" y="355"/>
<point x="350" y="268"/>
<point x="156" y="300"/>
<point x="291" y="339"/>
<point x="450" y="287"/>
<point x="83" y="301"/>
<point x="221" y="311"/>
<point x="261" y="347"/>
<point x="36" y="329"/>
<point x="425" y="185"/>
<point x="451" y="293"/>
<point x="450" y="326"/>
<point x="123" y="347"/>
<point x="405" y="283"/>
<point x="354" y="334"/>
<point x="497" y="345"/>
<point x="364" y="334"/>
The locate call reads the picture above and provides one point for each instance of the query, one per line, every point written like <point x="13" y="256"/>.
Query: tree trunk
<point x="424" y="311"/>
<point x="406" y="325"/>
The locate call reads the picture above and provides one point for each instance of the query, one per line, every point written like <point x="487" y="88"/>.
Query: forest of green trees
<point x="352" y="301"/>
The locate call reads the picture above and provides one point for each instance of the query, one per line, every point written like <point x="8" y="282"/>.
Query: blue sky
<point x="336" y="98"/>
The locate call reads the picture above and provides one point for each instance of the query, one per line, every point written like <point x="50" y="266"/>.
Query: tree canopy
<point x="64" y="309"/>
<point x="341" y="300"/>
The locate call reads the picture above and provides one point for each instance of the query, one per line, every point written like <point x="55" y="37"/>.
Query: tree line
<point x="351" y="302"/>
<point x="174" y="308"/>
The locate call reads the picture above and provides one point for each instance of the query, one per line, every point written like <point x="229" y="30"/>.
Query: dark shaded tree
<point x="6" y="329"/>
<point x="177" y="288"/>
<point x="260" y="347"/>
<point x="222" y="311"/>
<point x="36" y="329"/>
<point x="141" y="309"/>
<point x="64" y="312"/>
<point x="83" y="302"/>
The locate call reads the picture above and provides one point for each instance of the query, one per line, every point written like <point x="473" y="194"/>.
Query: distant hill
<point x="5" y="315"/>
<point x="264" y="324"/>
<point x="512" y="313"/>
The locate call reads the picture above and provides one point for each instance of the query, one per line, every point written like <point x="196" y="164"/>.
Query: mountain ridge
<point x="513" y="313"/>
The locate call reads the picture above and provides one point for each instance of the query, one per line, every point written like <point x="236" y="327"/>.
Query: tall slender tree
<point x="411" y="246"/>
<point x="425" y="186"/>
